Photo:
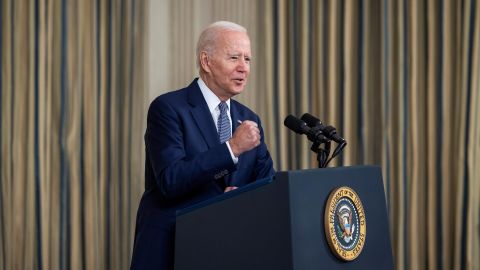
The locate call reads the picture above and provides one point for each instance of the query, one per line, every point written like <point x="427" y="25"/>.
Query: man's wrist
<point x="234" y="147"/>
<point x="232" y="154"/>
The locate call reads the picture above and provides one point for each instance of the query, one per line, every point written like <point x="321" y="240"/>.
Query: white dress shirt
<point x="212" y="102"/>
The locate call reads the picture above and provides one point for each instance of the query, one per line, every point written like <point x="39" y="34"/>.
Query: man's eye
<point x="247" y="59"/>
<point x="234" y="57"/>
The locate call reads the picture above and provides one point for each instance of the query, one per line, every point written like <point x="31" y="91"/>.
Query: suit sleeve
<point x="264" y="164"/>
<point x="175" y="173"/>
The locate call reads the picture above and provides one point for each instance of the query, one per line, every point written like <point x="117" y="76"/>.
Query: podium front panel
<point x="309" y="191"/>
<point x="280" y="225"/>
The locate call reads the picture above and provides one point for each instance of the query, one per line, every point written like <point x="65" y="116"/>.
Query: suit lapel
<point x="235" y="115"/>
<point x="201" y="115"/>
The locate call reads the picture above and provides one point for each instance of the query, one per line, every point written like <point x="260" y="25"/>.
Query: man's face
<point x="228" y="66"/>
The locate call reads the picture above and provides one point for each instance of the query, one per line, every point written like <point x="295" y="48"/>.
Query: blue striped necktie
<point x="223" y="123"/>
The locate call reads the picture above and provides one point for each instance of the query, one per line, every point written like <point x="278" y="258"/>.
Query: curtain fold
<point x="72" y="124"/>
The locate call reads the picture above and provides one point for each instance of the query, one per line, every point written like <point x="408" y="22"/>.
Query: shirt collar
<point x="211" y="99"/>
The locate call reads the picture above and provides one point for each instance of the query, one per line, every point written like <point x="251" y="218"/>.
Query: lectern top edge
<point x="224" y="196"/>
<point x="314" y="170"/>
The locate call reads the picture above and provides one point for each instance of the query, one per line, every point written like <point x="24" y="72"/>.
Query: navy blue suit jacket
<point x="186" y="164"/>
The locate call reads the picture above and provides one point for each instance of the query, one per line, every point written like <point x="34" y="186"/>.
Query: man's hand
<point x="245" y="138"/>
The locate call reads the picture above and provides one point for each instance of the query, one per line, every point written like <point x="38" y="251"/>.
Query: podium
<point x="279" y="223"/>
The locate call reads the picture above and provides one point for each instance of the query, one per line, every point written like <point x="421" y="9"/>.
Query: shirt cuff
<point x="234" y="158"/>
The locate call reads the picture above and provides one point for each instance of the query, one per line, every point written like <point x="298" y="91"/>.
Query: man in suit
<point x="199" y="143"/>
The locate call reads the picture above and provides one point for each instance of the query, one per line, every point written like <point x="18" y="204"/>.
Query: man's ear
<point x="205" y="61"/>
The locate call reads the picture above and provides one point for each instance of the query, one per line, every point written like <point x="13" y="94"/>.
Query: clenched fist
<point x="245" y="138"/>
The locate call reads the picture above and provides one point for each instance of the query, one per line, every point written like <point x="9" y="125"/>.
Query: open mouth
<point x="239" y="80"/>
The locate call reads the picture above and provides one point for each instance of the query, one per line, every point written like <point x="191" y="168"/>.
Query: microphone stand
<point x="337" y="151"/>
<point x="322" y="152"/>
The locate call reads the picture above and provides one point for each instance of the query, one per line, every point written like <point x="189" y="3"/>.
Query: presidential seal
<point x="345" y="224"/>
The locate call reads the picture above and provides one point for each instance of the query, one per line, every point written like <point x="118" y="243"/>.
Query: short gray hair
<point x="208" y="37"/>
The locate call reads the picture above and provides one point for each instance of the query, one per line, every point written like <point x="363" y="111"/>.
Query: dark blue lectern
<point x="279" y="224"/>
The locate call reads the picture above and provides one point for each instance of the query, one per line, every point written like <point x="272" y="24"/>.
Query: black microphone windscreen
<point x="311" y="120"/>
<point x="295" y="124"/>
<point x="331" y="132"/>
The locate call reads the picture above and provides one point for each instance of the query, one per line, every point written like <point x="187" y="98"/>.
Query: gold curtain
<point x="400" y="81"/>
<point x="72" y="105"/>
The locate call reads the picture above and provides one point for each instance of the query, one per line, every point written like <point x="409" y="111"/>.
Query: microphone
<point x="300" y="127"/>
<point x="329" y="131"/>
<point x="318" y="134"/>
<point x="311" y="120"/>
<point x="295" y="124"/>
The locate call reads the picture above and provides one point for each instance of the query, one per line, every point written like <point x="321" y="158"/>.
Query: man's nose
<point x="243" y="65"/>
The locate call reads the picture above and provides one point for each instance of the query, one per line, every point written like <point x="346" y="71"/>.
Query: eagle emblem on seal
<point x="347" y="228"/>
